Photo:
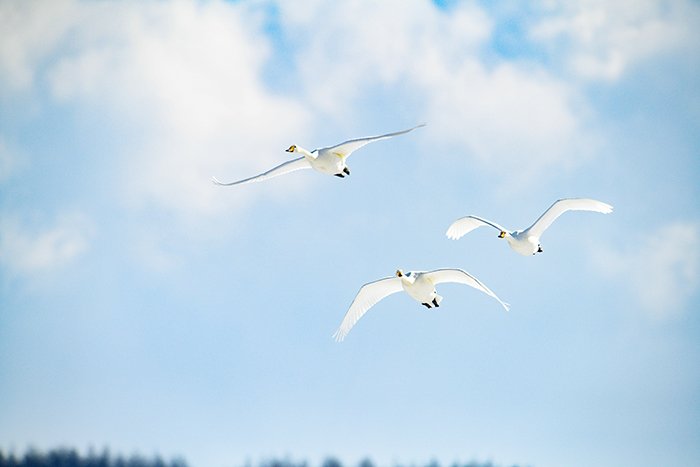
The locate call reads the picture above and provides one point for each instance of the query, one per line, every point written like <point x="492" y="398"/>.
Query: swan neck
<point x="306" y="153"/>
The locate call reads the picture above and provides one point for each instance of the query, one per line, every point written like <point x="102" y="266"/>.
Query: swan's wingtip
<point x="452" y="235"/>
<point x="338" y="336"/>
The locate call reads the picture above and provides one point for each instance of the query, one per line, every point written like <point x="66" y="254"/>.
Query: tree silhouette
<point x="70" y="458"/>
<point x="64" y="457"/>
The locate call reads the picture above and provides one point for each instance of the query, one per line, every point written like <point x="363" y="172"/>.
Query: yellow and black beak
<point x="502" y="234"/>
<point x="399" y="273"/>
<point x="292" y="148"/>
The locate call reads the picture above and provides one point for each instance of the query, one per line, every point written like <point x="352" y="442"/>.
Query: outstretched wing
<point x="560" y="207"/>
<point x="368" y="296"/>
<point x="285" y="168"/>
<point x="348" y="147"/>
<point x="462" y="226"/>
<point x="462" y="277"/>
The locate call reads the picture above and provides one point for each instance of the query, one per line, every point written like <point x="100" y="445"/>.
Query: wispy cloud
<point x="185" y="79"/>
<point x="26" y="249"/>
<point x="188" y="78"/>
<point x="662" y="269"/>
<point x="511" y="116"/>
<point x="602" y="40"/>
<point x="29" y="32"/>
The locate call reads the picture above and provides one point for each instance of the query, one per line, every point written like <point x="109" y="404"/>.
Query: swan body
<point x="419" y="285"/>
<point x="329" y="161"/>
<point x="527" y="242"/>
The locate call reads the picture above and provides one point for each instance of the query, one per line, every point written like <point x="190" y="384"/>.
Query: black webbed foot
<point x="340" y="175"/>
<point x="346" y="171"/>
<point x="427" y="305"/>
<point x="539" y="249"/>
<point x="435" y="302"/>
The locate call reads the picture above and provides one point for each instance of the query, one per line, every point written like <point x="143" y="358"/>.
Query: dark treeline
<point x="331" y="462"/>
<point x="71" y="458"/>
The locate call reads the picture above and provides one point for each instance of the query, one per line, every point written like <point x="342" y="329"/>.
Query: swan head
<point x="302" y="151"/>
<point x="399" y="273"/>
<point x="502" y="234"/>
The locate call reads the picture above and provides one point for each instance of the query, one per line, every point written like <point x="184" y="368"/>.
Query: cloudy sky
<point x="146" y="310"/>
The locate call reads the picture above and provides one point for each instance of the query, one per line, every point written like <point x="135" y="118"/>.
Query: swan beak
<point x="292" y="148"/>
<point x="399" y="273"/>
<point x="502" y="235"/>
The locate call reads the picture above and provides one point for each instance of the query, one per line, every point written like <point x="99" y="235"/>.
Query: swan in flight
<point x="419" y="285"/>
<point x="527" y="242"/>
<point x="330" y="160"/>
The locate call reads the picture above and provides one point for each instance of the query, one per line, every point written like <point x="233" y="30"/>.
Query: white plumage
<point x="418" y="285"/>
<point x="330" y="160"/>
<point x="527" y="242"/>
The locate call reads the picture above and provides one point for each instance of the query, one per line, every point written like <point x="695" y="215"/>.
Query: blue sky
<point x="144" y="309"/>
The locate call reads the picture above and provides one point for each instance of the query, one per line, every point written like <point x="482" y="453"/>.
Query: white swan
<point x="527" y="242"/>
<point x="419" y="285"/>
<point x="330" y="160"/>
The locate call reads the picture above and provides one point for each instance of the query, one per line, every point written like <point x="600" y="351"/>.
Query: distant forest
<point x="71" y="458"/>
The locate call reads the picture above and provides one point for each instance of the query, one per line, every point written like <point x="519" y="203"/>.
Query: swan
<point x="419" y="285"/>
<point x="330" y="160"/>
<point x="527" y="242"/>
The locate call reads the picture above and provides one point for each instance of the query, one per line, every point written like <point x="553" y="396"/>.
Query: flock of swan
<point x="419" y="285"/>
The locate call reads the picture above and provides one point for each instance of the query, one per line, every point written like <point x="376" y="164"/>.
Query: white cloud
<point x="513" y="117"/>
<point x="184" y="78"/>
<point x="604" y="39"/>
<point x="353" y="45"/>
<point x="28" y="32"/>
<point x="510" y="119"/>
<point x="662" y="270"/>
<point x="25" y="249"/>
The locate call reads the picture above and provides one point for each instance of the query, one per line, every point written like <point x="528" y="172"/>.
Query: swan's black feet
<point x="340" y="175"/>
<point x="539" y="249"/>
<point x="346" y="171"/>
<point x="427" y="305"/>
<point x="435" y="302"/>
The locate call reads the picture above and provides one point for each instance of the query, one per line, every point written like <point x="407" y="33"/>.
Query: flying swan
<point x="527" y="242"/>
<point x="419" y="285"/>
<point x="330" y="160"/>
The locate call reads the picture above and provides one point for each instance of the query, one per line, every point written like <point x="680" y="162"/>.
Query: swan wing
<point x="464" y="225"/>
<point x="560" y="207"/>
<point x="285" y="168"/>
<point x="368" y="296"/>
<point x="462" y="277"/>
<point x="348" y="147"/>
